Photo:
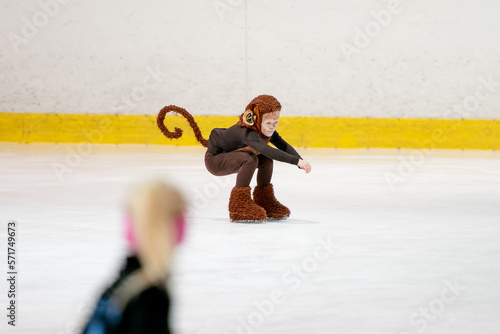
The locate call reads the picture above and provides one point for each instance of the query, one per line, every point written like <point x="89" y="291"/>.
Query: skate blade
<point x="267" y="220"/>
<point x="248" y="221"/>
<point x="270" y="219"/>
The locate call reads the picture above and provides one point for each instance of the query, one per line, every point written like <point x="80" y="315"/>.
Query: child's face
<point x="270" y="123"/>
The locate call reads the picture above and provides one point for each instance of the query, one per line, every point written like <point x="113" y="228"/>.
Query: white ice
<point x="356" y="256"/>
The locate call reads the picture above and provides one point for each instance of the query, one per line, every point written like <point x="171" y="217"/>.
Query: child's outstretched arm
<point x="281" y="144"/>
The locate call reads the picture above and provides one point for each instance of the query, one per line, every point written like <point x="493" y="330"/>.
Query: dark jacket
<point x="236" y="137"/>
<point x="146" y="312"/>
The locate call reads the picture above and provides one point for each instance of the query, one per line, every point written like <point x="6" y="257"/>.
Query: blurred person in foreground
<point x="138" y="301"/>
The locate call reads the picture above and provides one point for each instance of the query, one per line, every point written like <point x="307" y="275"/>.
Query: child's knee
<point x="251" y="160"/>
<point x="265" y="162"/>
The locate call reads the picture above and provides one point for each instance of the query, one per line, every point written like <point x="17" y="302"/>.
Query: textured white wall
<point x="356" y="58"/>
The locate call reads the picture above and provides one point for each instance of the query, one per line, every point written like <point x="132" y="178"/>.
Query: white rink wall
<point x="357" y="58"/>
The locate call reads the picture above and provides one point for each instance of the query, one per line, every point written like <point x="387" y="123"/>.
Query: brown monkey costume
<point x="242" y="149"/>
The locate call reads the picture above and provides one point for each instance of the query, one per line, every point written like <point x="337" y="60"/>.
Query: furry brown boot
<point x="243" y="208"/>
<point x="264" y="196"/>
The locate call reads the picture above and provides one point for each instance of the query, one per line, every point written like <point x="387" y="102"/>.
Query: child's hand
<point x="306" y="166"/>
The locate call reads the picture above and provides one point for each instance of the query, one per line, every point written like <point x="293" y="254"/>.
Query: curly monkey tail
<point x="178" y="132"/>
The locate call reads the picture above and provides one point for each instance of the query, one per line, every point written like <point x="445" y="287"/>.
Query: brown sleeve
<point x="281" y="144"/>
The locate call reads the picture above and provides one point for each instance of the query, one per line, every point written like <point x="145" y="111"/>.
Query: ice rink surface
<point x="379" y="241"/>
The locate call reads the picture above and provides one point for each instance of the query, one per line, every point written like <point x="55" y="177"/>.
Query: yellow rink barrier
<point x="320" y="132"/>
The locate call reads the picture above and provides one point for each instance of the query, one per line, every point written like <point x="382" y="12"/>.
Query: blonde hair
<point x="154" y="207"/>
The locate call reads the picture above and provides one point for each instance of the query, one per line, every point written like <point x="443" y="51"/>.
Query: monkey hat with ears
<point x="255" y="111"/>
<point x="242" y="149"/>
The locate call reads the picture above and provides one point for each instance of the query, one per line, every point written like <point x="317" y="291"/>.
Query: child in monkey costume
<point x="242" y="149"/>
